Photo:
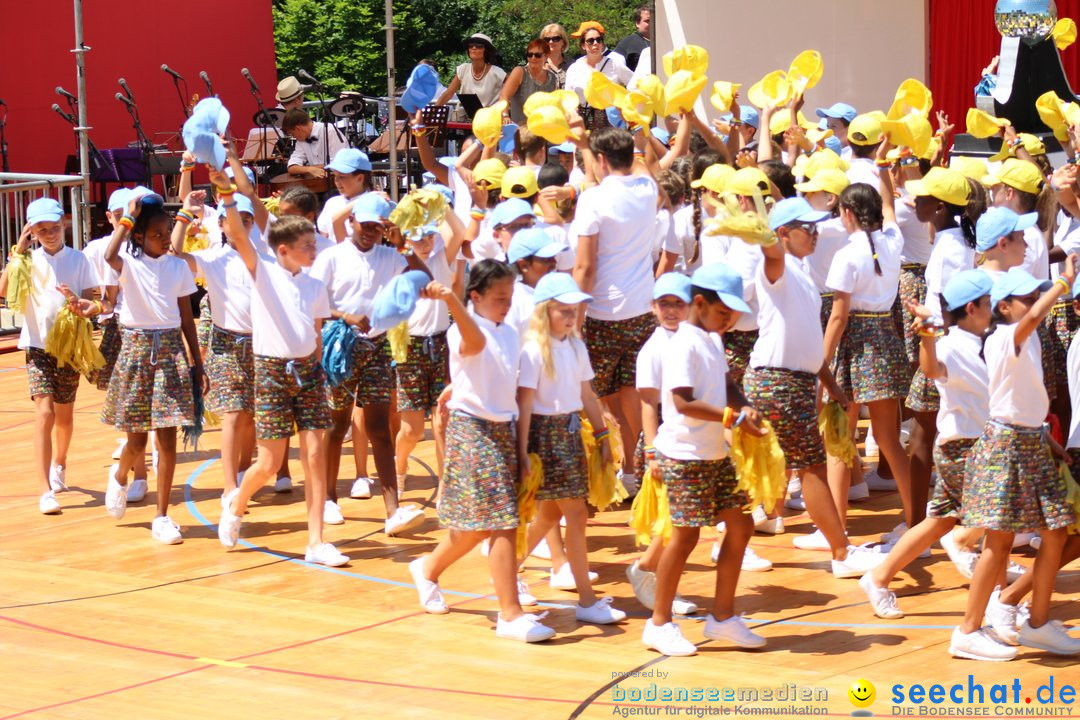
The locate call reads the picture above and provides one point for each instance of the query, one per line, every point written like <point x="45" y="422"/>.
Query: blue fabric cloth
<point x="394" y="304"/>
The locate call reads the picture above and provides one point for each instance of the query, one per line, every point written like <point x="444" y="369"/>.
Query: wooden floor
<point x="99" y="621"/>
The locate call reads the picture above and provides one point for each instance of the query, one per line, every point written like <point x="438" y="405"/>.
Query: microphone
<point x="307" y="76"/>
<point x="65" y="93"/>
<point x="127" y="90"/>
<point x="206" y="79"/>
<point x="61" y="113"/>
<point x="251" y="80"/>
<point x="126" y="100"/>
<point x="172" y="72"/>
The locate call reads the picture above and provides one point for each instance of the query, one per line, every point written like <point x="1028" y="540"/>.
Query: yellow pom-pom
<point x="759" y="465"/>
<point x="399" y="340"/>
<point x="71" y="342"/>
<point x="650" y="515"/>
<point x="527" y="489"/>
<point x="605" y="489"/>
<point x="833" y="425"/>
<point x="20" y="283"/>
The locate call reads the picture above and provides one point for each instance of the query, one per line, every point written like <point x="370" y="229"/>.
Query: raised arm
<point x="234" y="223"/>
<point x="1035" y="314"/>
<point x="112" y="251"/>
<point x="22" y="246"/>
<point x="245" y="188"/>
<point x="192" y="202"/>
<point x="450" y="91"/>
<point x="472" y="338"/>
<point x="888" y="190"/>
<point x="427" y="155"/>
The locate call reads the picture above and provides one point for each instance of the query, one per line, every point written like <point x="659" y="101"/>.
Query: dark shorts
<point x="788" y="400"/>
<point x="230" y="366"/>
<point x="425" y="374"/>
<point x="150" y="387"/>
<point x="699" y="490"/>
<point x="46" y="378"/>
<point x="480" y="480"/>
<point x="371" y="381"/>
<point x="613" y="349"/>
<point x="288" y="394"/>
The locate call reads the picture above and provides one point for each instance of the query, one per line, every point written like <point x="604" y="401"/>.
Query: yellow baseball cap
<point x="948" y="186"/>
<point x="487" y="123"/>
<point x="693" y="58"/>
<point x="983" y="125"/>
<point x="601" y="92"/>
<point x="828" y="180"/>
<point x="824" y="159"/>
<point x="969" y="167"/>
<point x="519" y="182"/>
<point x="911" y="96"/>
<point x="805" y="71"/>
<point x="781" y="121"/>
<point x="1019" y="174"/>
<point x="1032" y="143"/>
<point x="865" y="130"/>
<point x="747" y="181"/>
<point x="1064" y="33"/>
<point x="491" y="170"/>
<point x="912" y="130"/>
<point x="773" y="89"/>
<point x="714" y="178"/>
<point x="723" y="94"/>
<point x="682" y="91"/>
<point x="549" y="122"/>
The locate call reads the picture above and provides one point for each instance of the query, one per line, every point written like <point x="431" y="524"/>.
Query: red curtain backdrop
<point x="963" y="40"/>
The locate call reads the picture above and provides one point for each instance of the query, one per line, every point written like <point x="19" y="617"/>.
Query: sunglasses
<point x="594" y="41"/>
<point x="473" y="46"/>
<point x="806" y="227"/>
<point x="553" y="38"/>
<point x="534" y="55"/>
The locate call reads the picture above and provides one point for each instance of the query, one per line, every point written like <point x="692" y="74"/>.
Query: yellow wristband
<point x="1065" y="286"/>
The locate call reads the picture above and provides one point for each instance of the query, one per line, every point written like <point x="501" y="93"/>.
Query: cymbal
<point x="348" y="107"/>
<point x="274" y="116"/>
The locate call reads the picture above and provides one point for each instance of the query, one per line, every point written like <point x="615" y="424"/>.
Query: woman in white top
<point x="1011" y="482"/>
<point x="480" y="76"/>
<point x="597" y="58"/>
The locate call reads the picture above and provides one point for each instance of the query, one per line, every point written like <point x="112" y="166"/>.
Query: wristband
<point x="573" y="192"/>
<point x="728" y="413"/>
<point x="1065" y="286"/>
<point x="600" y="434"/>
<point x="739" y="420"/>
<point x="477" y="214"/>
<point x="931" y="332"/>
<point x="228" y="205"/>
<point x="882" y="163"/>
<point x="127" y="221"/>
<point x="184" y="216"/>
<point x="184" y="167"/>
<point x="231" y="190"/>
<point x="650" y="454"/>
<point x="100" y="307"/>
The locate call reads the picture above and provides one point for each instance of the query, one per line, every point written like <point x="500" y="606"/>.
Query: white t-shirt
<point x="694" y="359"/>
<point x="917" y="244"/>
<point x="353" y="278"/>
<point x="613" y="65"/>
<point x="621" y="211"/>
<point x="831" y="237"/>
<point x="229" y="284"/>
<point x="1067" y="237"/>
<point x="650" y="359"/>
<point x="684" y="241"/>
<point x="1015" y="379"/>
<point x="521" y="307"/>
<point x="1073" y="365"/>
<point x="485" y="384"/>
<point x="69" y="267"/>
<point x="557" y="394"/>
<point x="284" y="308"/>
<point x="714" y="248"/>
<point x="852" y="270"/>
<point x="951" y="254"/>
<point x="106" y="276"/>
<point x="151" y="289"/>
<point x="432" y="317"/>
<point x="965" y="397"/>
<point x="789" y="314"/>
<point x="746" y="258"/>
<point x="487" y="88"/>
<point x="1036" y="256"/>
<point x="325" y="222"/>
<point x="486" y="246"/>
<point x="863" y="170"/>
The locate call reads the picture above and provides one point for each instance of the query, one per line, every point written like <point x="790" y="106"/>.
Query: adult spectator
<point x="558" y="43"/>
<point x="630" y="47"/>
<point x="597" y="58"/>
<point x="529" y="77"/>
<point x="480" y="76"/>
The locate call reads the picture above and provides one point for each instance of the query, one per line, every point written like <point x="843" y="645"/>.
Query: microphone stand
<point x="142" y="141"/>
<point x="3" y="141"/>
<point x="96" y="155"/>
<point x="264" y="123"/>
<point x="184" y="105"/>
<point x="326" y="116"/>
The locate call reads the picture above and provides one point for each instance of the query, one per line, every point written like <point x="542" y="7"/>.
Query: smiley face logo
<point x="861" y="693"/>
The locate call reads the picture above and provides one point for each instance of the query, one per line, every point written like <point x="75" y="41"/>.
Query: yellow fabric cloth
<point x="650" y="515"/>
<point x="605" y="489"/>
<point x="71" y="342"/>
<point x="399" y="342"/>
<point x="833" y="424"/>
<point x="751" y="226"/>
<point x="418" y="208"/>
<point x="527" y="489"/>
<point x="759" y="465"/>
<point x="20" y="284"/>
<point x="211" y="419"/>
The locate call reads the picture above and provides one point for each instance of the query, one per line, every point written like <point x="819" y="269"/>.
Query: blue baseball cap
<point x="661" y="134"/>
<point x="966" y="286"/>
<point x="672" y="283"/>
<point x="840" y="111"/>
<point x="833" y="143"/>
<point x="420" y="89"/>
<point x="724" y="281"/>
<point x="561" y="287"/>
<point x="1016" y="281"/>
<point x="243" y="205"/>
<point x="996" y="223"/>
<point x="795" y="209"/>
<point x="566" y="147"/>
<point x="44" y="210"/>
<point x="749" y="115"/>
<point x="417" y="234"/>
<point x="349" y="160"/>
<point x="118" y="200"/>
<point x="508" y="211"/>
<point x="395" y="302"/>
<point x="146" y="195"/>
<point x="247" y="171"/>
<point x="532" y="242"/>
<point x="508" y="138"/>
<point x="371" y="207"/>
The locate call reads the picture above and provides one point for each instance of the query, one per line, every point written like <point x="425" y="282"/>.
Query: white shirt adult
<point x="613" y="65"/>
<point x="229" y="284"/>
<point x="353" y="277"/>
<point x="432" y="317"/>
<point x="284" y="308"/>
<point x="487" y="87"/>
<point x="560" y="392"/>
<point x="485" y="384"/>
<point x="1015" y="379"/>
<point x="69" y="267"/>
<point x="693" y="359"/>
<point x="313" y="150"/>
<point x="621" y="213"/>
<point x="852" y="270"/>
<point x="151" y="287"/>
<point x="951" y="254"/>
<point x="965" y="396"/>
<point x="789" y="318"/>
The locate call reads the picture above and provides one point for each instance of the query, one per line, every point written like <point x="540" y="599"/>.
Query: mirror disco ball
<point x="1030" y="20"/>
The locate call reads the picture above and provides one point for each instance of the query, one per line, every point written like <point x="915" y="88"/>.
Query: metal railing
<point x="17" y="190"/>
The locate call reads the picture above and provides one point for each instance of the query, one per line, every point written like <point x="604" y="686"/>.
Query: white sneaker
<point x="1022" y="539"/>
<point x="431" y="598"/>
<point x="564" y="578"/>
<point x="526" y="628"/>
<point x="630" y="482"/>
<point x="643" y="583"/>
<point x="1023" y="614"/>
<point x="979" y="645"/>
<point x="895" y="534"/>
<point x="228" y="528"/>
<point x="1051" y="637"/>
<point x="795" y="503"/>
<point x="325" y="554"/>
<point x="858" y="562"/>
<point x="964" y="560"/>
<point x="361" y="488"/>
<point x="667" y="639"/>
<point x="47" y="504"/>
<point x="542" y="551"/>
<point x="136" y="490"/>
<point x="877" y="483"/>
<point x="733" y="629"/>
<point x="752" y="562"/>
<point x="525" y="598"/>
<point x="765" y="524"/>
<point x="814" y="541"/>
<point x="331" y="514"/>
<point x="115" y="495"/>
<point x="485" y="547"/>
<point x="165" y="531"/>
<point x="1001" y="619"/>
<point x="679" y="606"/>
<point x="794" y="486"/>
<point x="1035" y="542"/>
<point x="120" y="445"/>
<point x="871" y="446"/>
<point x="57" y="478"/>
<point x="881" y="599"/>
<point x="857" y="493"/>
<point x="599" y="613"/>
<point x="283" y="484"/>
<point x="1014" y="571"/>
<point x="714" y="554"/>
<point x="404" y="519"/>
